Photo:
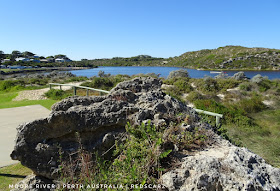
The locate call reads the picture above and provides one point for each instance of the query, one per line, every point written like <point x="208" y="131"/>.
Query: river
<point x="164" y="71"/>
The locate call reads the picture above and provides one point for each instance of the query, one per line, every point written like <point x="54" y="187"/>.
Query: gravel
<point x="40" y="94"/>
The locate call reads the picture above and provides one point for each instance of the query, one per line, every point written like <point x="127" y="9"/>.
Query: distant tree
<point x="2" y="55"/>
<point x="50" y="57"/>
<point x="27" y="54"/>
<point x="16" y="54"/>
<point x="62" y="56"/>
<point x="42" y="57"/>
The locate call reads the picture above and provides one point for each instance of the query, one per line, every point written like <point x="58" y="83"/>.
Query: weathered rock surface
<point x="223" y="166"/>
<point x="99" y="121"/>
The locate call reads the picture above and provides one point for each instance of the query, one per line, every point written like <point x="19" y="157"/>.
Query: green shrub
<point x="57" y="94"/>
<point x="182" y="73"/>
<point x="137" y="160"/>
<point x="105" y="83"/>
<point x="224" y="84"/>
<point x="194" y="95"/>
<point x="6" y="85"/>
<point x="183" y="85"/>
<point x="246" y="86"/>
<point x="251" y="105"/>
<point x="209" y="85"/>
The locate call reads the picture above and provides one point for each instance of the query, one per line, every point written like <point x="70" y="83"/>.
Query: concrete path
<point x="9" y="120"/>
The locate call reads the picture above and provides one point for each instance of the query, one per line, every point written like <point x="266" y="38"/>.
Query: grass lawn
<point x="12" y="174"/>
<point x="6" y="101"/>
<point x="264" y="141"/>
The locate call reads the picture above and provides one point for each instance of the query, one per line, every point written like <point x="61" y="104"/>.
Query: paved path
<point x="9" y="120"/>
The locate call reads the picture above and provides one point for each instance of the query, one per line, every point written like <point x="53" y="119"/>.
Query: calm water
<point x="164" y="71"/>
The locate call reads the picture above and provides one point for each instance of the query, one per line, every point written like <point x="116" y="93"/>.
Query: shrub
<point x="178" y="73"/>
<point x="209" y="85"/>
<point x="246" y="86"/>
<point x="251" y="105"/>
<point x="6" y="85"/>
<point x="183" y="85"/>
<point x="258" y="79"/>
<point x="136" y="160"/>
<point x="239" y="76"/>
<point x="57" y="94"/>
<point x="224" y="84"/>
<point x="194" y="95"/>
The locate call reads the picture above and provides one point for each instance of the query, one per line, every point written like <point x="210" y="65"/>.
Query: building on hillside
<point x="36" y="56"/>
<point x="44" y="61"/>
<point x="22" y="59"/>
<point x="6" y="60"/>
<point x="62" y="60"/>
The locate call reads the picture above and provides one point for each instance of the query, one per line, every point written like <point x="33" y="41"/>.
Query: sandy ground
<point x="10" y="119"/>
<point x="40" y="94"/>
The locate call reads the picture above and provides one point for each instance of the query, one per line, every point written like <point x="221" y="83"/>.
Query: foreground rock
<point x="93" y="122"/>
<point x="223" y="166"/>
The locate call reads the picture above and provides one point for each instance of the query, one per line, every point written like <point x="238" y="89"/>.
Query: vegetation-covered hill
<point x="230" y="57"/>
<point x="141" y="60"/>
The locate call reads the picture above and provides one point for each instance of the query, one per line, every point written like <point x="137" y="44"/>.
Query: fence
<point x="75" y="88"/>
<point x="217" y="115"/>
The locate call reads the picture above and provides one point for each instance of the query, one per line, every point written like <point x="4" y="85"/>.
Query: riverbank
<point x="164" y="71"/>
<point x="45" y="69"/>
<point x="243" y="69"/>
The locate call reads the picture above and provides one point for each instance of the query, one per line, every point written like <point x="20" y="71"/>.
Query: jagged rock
<point x="223" y="166"/>
<point x="94" y="122"/>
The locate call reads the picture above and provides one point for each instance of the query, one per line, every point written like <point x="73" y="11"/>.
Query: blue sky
<point x="161" y="28"/>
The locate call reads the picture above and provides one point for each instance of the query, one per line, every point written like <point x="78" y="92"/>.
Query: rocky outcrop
<point x="223" y="166"/>
<point x="97" y="121"/>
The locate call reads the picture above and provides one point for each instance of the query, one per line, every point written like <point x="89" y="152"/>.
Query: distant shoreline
<point x="47" y="69"/>
<point x="241" y="69"/>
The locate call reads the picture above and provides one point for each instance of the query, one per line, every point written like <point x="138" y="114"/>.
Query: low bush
<point x="246" y="86"/>
<point x="105" y="83"/>
<point x="178" y="74"/>
<point x="57" y="94"/>
<point x="194" y="95"/>
<point x="251" y="105"/>
<point x="137" y="160"/>
<point x="183" y="86"/>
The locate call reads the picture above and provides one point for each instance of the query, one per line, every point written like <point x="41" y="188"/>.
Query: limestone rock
<point x="223" y="167"/>
<point x="94" y="122"/>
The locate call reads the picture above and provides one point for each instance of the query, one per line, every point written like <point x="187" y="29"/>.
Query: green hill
<point x="229" y="57"/>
